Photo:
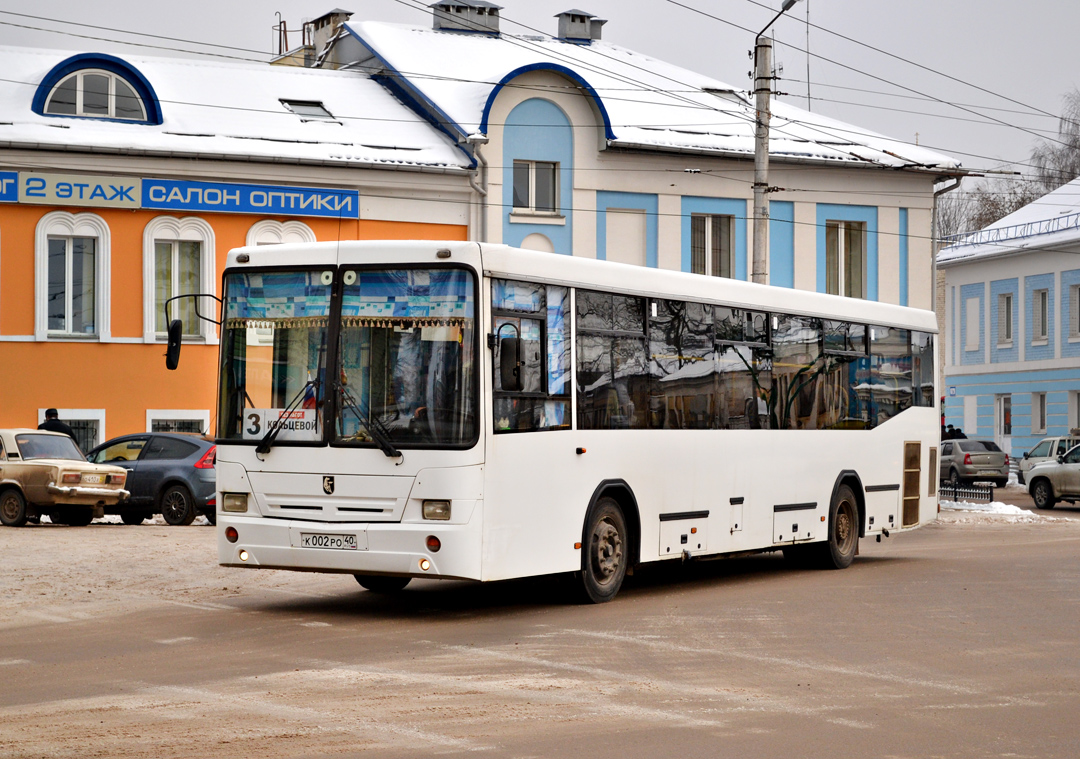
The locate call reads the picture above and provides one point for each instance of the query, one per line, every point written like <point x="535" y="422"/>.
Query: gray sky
<point x="1023" y="51"/>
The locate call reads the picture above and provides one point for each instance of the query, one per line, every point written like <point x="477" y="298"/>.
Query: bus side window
<point x="536" y="314"/>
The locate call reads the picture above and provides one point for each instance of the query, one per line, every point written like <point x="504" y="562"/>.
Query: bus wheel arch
<point x="611" y="530"/>
<point x="851" y="478"/>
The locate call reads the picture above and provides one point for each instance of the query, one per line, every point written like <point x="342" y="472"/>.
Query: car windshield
<point x="1042" y="449"/>
<point x="33" y="446"/>
<point x="407" y="358"/>
<point x="978" y="446"/>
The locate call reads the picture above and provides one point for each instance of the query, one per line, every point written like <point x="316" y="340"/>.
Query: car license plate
<point x="93" y="479"/>
<point x="325" y="540"/>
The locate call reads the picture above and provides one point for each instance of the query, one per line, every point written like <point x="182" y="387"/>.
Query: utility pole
<point x="763" y="79"/>
<point x="763" y="95"/>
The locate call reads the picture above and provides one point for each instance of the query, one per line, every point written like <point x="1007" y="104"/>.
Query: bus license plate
<point x="324" y="540"/>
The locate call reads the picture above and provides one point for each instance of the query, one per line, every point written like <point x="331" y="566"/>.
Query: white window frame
<point x="1005" y="320"/>
<point x="1040" y="316"/>
<point x="727" y="244"/>
<point x="64" y="224"/>
<point x="1074" y="312"/>
<point x="79" y="89"/>
<point x="93" y="414"/>
<point x="972" y="311"/>
<point x="531" y="207"/>
<point x="1038" y="413"/>
<point x="273" y="232"/>
<point x="201" y="415"/>
<point x="172" y="229"/>
<point x="845" y="230"/>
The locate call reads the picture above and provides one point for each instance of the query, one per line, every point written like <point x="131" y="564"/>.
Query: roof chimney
<point x="579" y="26"/>
<point x="466" y="16"/>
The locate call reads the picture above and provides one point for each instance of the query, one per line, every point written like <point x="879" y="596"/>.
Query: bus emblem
<point x="328" y="484"/>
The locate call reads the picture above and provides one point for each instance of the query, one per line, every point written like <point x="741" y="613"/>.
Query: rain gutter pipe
<point x="476" y="140"/>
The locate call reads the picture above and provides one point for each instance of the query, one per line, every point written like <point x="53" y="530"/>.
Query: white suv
<point x="1048" y="449"/>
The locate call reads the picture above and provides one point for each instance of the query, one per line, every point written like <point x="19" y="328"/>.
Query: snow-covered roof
<point x="645" y="102"/>
<point x="231" y="110"/>
<point x="1051" y="221"/>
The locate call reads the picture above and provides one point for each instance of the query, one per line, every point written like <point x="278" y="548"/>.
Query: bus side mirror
<point x="1025" y="454"/>
<point x="510" y="364"/>
<point x="172" y="352"/>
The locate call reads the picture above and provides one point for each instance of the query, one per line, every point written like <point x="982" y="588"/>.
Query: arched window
<point x="97" y="86"/>
<point x="72" y="276"/>
<point x="271" y="232"/>
<point x="178" y="259"/>
<point x="95" y="93"/>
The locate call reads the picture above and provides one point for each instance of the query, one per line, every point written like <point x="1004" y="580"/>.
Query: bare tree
<point x="1057" y="162"/>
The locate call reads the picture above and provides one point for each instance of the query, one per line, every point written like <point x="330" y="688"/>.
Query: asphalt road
<point x="957" y="640"/>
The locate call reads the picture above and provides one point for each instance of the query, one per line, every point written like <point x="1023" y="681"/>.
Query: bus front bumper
<point x="399" y="549"/>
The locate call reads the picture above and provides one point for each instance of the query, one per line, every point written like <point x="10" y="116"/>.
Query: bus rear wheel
<point x="839" y="551"/>
<point x="382" y="583"/>
<point x="605" y="551"/>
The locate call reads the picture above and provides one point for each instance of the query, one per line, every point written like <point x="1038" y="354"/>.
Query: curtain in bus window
<point x="682" y="366"/>
<point x="890" y="372"/>
<point x="612" y="365"/>
<point x="922" y="368"/>
<point x="794" y="402"/>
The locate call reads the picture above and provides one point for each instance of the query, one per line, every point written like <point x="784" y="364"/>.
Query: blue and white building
<point x="1012" y="347"/>
<point x="585" y="148"/>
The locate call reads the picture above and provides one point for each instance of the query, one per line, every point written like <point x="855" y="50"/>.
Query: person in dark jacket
<point x="52" y="423"/>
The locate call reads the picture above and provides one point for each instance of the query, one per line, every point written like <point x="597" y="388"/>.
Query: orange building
<point x="125" y="181"/>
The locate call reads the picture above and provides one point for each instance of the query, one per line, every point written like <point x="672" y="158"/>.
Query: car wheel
<point x="839" y="550"/>
<point x="1043" y="494"/>
<point x="603" y="565"/>
<point x="1000" y="483"/>
<point x="382" y="584"/>
<point x="79" y="517"/>
<point x="954" y="478"/>
<point x="211" y="516"/>
<point x="177" y="508"/>
<point x="12" y="508"/>
<point x="132" y="517"/>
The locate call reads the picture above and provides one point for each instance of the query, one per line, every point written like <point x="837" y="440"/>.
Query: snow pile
<point x="965" y="512"/>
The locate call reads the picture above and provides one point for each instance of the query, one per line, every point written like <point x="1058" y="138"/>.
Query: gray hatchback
<point x="974" y="461"/>
<point x="171" y="473"/>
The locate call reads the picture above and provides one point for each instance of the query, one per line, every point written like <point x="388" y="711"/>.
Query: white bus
<point x="394" y="410"/>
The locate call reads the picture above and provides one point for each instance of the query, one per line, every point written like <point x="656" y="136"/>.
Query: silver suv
<point x="1047" y="449"/>
<point x="1056" y="480"/>
<point x="965" y="461"/>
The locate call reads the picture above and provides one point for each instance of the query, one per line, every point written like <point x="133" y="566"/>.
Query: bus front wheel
<point x="839" y="551"/>
<point x="603" y="565"/>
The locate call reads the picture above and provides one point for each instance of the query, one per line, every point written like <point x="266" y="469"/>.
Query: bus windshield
<point x="407" y="358"/>
<point x="274" y="354"/>
<point x="402" y="371"/>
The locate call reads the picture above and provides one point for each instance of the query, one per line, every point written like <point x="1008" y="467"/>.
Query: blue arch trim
<point x="106" y="62"/>
<point x="547" y="67"/>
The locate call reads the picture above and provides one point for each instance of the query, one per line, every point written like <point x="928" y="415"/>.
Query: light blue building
<point x="1012" y="344"/>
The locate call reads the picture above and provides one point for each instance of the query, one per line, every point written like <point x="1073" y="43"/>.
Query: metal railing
<point x="971" y="492"/>
<point x="1013" y="232"/>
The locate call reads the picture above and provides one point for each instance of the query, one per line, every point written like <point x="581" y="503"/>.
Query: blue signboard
<point x="9" y="187"/>
<point x="248" y="198"/>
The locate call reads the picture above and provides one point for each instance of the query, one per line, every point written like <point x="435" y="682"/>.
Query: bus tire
<point x="839" y="550"/>
<point x="605" y="551"/>
<point x="12" y="508"/>
<point x="382" y="583"/>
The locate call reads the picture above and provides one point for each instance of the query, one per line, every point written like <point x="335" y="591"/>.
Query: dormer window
<point x="97" y="86"/>
<point x="309" y="110"/>
<point x="95" y="93"/>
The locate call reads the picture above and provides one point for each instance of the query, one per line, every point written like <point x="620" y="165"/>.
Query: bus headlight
<point x="236" y="502"/>
<point x="437" y="510"/>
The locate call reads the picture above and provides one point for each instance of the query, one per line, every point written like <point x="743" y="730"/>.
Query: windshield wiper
<point x="267" y="442"/>
<point x="375" y="428"/>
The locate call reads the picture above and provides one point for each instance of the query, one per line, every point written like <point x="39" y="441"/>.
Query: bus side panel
<point x="754" y="484"/>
